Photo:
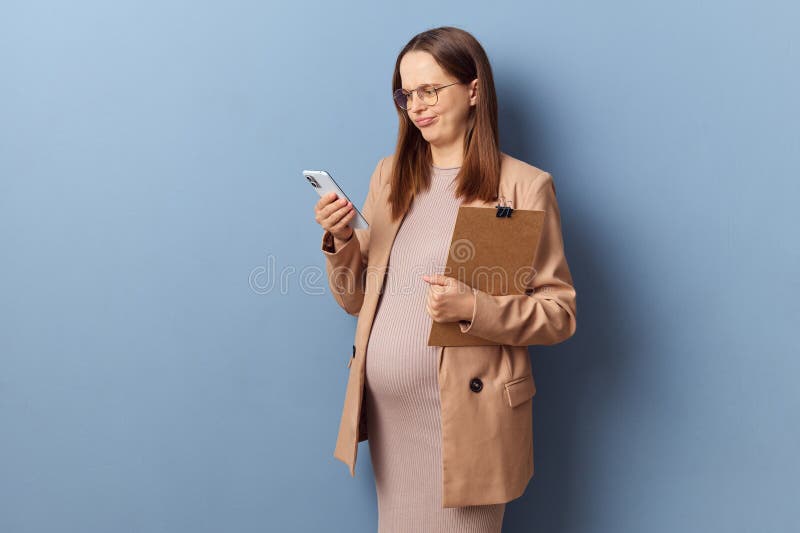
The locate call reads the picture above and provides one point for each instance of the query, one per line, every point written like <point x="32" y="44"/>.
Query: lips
<point x="424" y="121"/>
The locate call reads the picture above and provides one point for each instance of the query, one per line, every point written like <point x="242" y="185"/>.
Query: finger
<point x="344" y="221"/>
<point x="325" y="200"/>
<point x="336" y="216"/>
<point x="327" y="217"/>
<point x="321" y="213"/>
<point x="327" y="208"/>
<point x="433" y="279"/>
<point x="334" y="206"/>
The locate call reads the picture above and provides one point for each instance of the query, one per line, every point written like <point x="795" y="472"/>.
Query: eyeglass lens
<point x="426" y="93"/>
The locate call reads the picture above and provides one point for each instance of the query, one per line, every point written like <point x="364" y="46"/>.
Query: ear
<point x="473" y="92"/>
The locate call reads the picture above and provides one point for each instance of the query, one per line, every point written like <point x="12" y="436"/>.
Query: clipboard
<point x="493" y="250"/>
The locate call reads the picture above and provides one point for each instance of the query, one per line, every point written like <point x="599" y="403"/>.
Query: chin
<point x="427" y="134"/>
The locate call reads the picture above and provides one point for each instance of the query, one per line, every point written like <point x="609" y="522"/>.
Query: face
<point x="450" y="114"/>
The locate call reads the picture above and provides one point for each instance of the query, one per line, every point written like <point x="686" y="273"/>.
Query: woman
<point x="449" y="428"/>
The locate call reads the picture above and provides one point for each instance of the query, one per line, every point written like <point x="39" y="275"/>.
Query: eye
<point x="429" y="90"/>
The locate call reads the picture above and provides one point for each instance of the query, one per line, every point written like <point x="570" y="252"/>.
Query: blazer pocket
<point x="520" y="390"/>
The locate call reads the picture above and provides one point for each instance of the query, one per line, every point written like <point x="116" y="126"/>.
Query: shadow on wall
<point x="576" y="389"/>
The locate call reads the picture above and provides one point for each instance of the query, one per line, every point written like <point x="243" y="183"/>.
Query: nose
<point x="416" y="104"/>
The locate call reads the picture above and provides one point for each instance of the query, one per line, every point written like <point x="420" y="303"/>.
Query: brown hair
<point x="461" y="55"/>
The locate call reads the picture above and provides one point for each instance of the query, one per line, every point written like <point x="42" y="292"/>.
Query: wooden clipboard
<point x="492" y="249"/>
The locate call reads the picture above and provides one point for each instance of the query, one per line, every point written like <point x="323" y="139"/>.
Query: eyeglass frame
<point x="417" y="91"/>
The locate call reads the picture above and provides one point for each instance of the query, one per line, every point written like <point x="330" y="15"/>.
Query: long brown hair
<point x="462" y="56"/>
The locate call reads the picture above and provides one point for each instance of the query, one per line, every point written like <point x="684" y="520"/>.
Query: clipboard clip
<point x="504" y="208"/>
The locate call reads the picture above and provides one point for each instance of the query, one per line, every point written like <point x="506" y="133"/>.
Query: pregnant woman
<point x="449" y="428"/>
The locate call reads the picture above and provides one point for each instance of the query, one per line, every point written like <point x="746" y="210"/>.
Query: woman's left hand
<point x="449" y="300"/>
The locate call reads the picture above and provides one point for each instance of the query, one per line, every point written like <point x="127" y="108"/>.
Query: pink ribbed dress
<point x="402" y="391"/>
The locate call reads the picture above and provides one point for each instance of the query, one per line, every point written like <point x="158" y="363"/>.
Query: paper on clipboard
<point x="493" y="249"/>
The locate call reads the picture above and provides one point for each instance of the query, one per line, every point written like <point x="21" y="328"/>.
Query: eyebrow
<point x="420" y="85"/>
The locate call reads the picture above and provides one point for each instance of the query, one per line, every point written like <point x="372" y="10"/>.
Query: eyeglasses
<point x="427" y="94"/>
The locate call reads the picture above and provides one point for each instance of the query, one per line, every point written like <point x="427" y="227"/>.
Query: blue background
<point x="171" y="359"/>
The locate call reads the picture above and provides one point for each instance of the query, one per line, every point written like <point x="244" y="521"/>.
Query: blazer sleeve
<point x="346" y="267"/>
<point x="546" y="313"/>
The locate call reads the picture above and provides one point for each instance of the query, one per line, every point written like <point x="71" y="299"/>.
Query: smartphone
<point x="324" y="183"/>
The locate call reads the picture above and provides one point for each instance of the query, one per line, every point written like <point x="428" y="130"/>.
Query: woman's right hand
<point x="333" y="214"/>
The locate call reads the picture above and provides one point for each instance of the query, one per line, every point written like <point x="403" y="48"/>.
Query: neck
<point x="448" y="156"/>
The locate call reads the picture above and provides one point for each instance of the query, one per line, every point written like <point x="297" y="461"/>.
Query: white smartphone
<point x="324" y="183"/>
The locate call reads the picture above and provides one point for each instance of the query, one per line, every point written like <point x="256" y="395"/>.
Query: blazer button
<point x="475" y="385"/>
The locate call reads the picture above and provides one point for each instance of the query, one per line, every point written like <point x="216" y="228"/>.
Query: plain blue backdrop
<point x="171" y="359"/>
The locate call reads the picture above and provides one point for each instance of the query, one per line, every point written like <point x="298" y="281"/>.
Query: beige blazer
<point x="487" y="433"/>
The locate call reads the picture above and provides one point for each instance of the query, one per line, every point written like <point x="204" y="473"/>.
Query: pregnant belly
<point x="400" y="365"/>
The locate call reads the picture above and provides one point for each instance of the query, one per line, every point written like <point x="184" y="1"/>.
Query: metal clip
<point x="504" y="208"/>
